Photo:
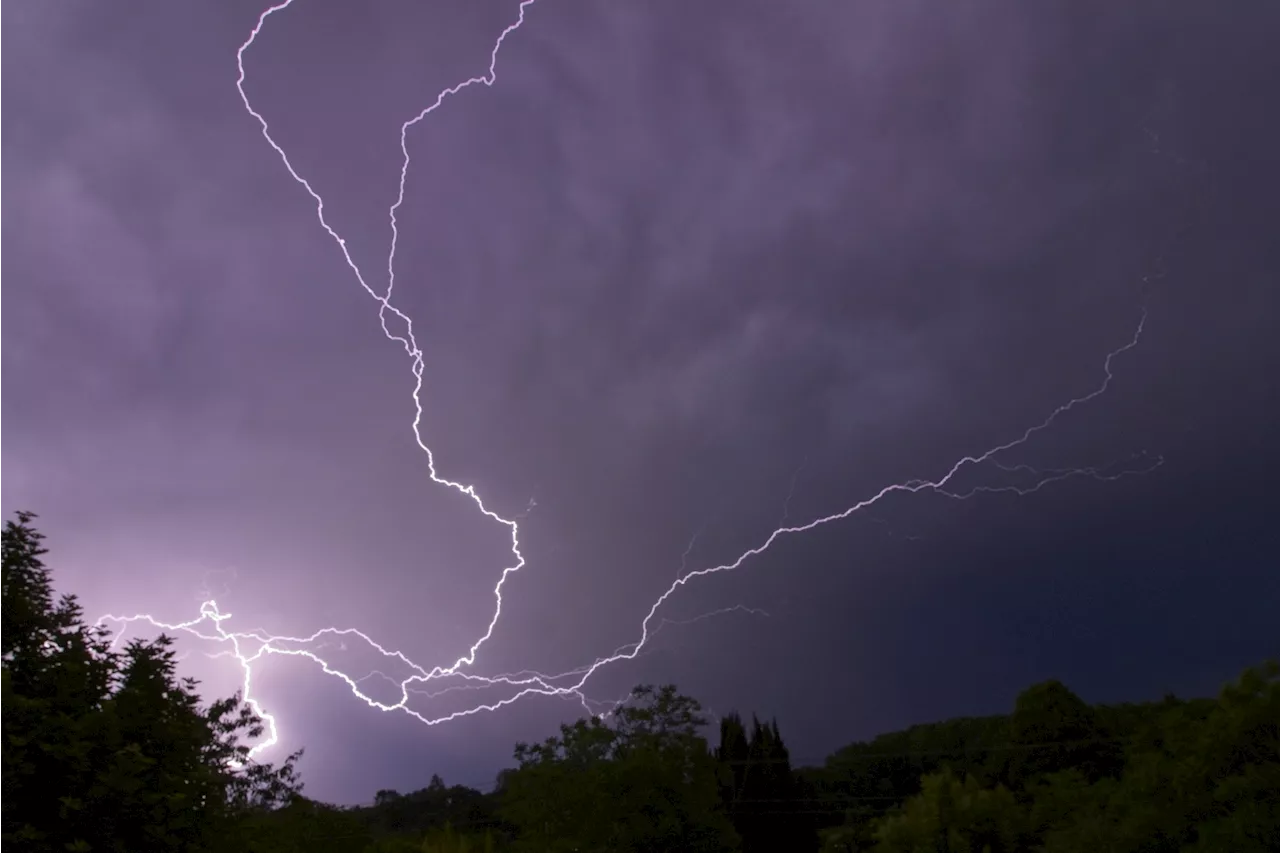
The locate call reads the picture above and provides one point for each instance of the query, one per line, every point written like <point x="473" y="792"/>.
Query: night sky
<point x="687" y="272"/>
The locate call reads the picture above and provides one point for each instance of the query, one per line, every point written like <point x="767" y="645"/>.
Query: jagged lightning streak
<point x="939" y="486"/>
<point x="209" y="611"/>
<point x="247" y="647"/>
<point x="384" y="301"/>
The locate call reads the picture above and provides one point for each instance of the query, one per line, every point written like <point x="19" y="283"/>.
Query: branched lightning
<point x="384" y="301"/>
<point x="401" y="675"/>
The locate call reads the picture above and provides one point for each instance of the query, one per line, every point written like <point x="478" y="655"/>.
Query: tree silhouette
<point x="108" y="750"/>
<point x="760" y="789"/>
<point x="645" y="781"/>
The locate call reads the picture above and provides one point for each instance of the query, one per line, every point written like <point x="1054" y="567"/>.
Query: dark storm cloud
<point x="679" y="259"/>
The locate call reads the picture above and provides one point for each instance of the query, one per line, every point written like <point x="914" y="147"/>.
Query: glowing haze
<point x="247" y="647"/>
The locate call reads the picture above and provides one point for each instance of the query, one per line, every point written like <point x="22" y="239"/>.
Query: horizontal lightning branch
<point x="411" y="679"/>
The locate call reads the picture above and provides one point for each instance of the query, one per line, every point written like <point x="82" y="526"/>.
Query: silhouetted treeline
<point x="108" y="750"/>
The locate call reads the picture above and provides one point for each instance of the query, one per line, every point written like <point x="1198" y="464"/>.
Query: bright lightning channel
<point x="248" y="647"/>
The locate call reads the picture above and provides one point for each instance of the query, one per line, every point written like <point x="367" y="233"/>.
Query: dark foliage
<point x="764" y="797"/>
<point x="110" y="750"/>
<point x="643" y="781"/>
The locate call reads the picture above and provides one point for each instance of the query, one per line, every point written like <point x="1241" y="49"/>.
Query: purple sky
<point x="685" y="269"/>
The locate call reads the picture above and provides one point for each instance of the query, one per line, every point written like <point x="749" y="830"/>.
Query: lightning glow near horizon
<point x="249" y="647"/>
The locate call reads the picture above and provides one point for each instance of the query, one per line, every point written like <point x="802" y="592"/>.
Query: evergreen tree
<point x="733" y="754"/>
<point x="760" y="790"/>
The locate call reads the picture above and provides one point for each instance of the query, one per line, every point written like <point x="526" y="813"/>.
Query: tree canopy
<point x="111" y="750"/>
<point x="644" y="780"/>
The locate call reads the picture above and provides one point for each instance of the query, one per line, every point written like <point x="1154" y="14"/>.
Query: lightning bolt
<point x="249" y="646"/>
<point x="384" y="300"/>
